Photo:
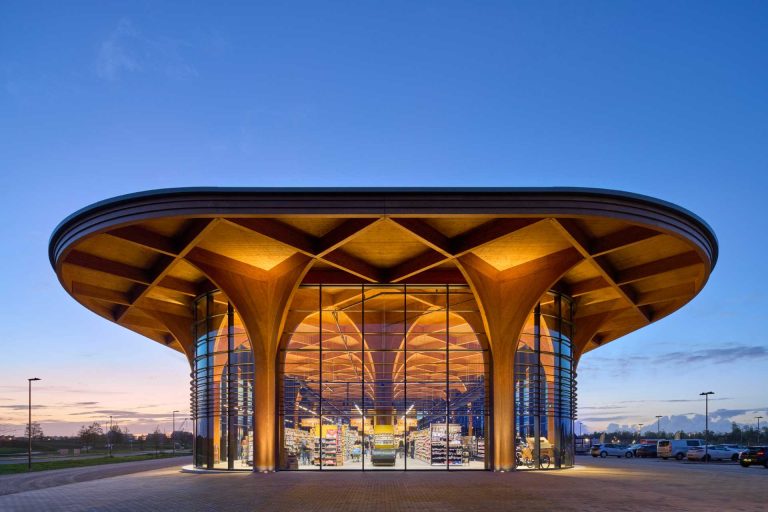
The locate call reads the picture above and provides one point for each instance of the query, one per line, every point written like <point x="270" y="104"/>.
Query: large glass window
<point x="222" y="381"/>
<point x="383" y="377"/>
<point x="544" y="386"/>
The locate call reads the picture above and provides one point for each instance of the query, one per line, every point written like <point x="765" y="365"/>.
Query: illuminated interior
<point x="384" y="377"/>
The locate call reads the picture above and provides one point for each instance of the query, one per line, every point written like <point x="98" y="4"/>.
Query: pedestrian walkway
<point x="596" y="485"/>
<point x="22" y="482"/>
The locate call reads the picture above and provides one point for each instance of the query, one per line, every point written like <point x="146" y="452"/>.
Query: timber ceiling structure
<point x="136" y="260"/>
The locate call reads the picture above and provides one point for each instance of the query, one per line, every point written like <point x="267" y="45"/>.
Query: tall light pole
<point x="758" y="418"/>
<point x="173" y="432"/>
<point x="29" y="425"/>
<point x="706" y="423"/>
<point x="640" y="431"/>
<point x="658" y="427"/>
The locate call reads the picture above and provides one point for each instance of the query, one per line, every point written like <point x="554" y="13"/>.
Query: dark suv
<point x="754" y="455"/>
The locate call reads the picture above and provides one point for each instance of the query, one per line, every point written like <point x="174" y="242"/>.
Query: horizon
<point x="140" y="97"/>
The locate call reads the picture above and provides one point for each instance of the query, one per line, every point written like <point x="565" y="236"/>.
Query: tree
<point x="115" y="435"/>
<point x="157" y="439"/>
<point x="37" y="431"/>
<point x="90" y="434"/>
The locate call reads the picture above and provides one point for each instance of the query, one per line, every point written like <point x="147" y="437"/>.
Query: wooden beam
<point x="342" y="233"/>
<point x="203" y="257"/>
<point x="426" y="234"/>
<point x="97" y="292"/>
<point x="594" y="308"/>
<point x="487" y="233"/>
<point x="193" y="233"/>
<point x="666" y="294"/>
<point x="353" y="265"/>
<point x="145" y="238"/>
<point x="171" y="308"/>
<point x="280" y="232"/>
<point x="654" y="268"/>
<point x="556" y="259"/>
<point x="144" y="324"/>
<point x="330" y="276"/>
<point x="588" y="286"/>
<point x="574" y="234"/>
<point x="418" y="263"/>
<point x="620" y="239"/>
<point x="105" y="266"/>
<point x="178" y="285"/>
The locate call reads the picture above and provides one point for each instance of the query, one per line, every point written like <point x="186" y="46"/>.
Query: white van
<point x="677" y="448"/>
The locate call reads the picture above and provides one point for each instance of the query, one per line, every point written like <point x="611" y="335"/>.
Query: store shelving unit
<point x="439" y="445"/>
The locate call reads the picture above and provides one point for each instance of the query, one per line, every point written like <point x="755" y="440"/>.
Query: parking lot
<point x="653" y="463"/>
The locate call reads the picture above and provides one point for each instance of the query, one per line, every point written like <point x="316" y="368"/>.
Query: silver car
<point x="611" y="449"/>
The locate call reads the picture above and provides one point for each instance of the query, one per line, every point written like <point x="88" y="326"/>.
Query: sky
<point x="664" y="98"/>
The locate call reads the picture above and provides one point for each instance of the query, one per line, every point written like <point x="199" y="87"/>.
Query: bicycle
<point x="524" y="460"/>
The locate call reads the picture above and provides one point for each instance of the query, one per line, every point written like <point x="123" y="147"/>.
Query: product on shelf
<point x="439" y="444"/>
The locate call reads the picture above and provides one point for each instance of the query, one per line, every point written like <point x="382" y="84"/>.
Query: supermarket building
<point x="366" y="329"/>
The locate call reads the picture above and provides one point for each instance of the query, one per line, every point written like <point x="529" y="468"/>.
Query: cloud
<point x="123" y="415"/>
<point x="723" y="355"/>
<point x="603" y="418"/>
<point x="128" y="50"/>
<point x="720" y="420"/>
<point x="116" y="55"/>
<point x="672" y="400"/>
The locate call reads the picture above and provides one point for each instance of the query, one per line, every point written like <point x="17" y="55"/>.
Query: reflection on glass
<point x="544" y="387"/>
<point x="222" y="380"/>
<point x="383" y="377"/>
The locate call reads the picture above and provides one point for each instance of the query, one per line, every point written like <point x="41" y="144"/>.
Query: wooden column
<point x="261" y="298"/>
<point x="505" y="299"/>
<point x="180" y="328"/>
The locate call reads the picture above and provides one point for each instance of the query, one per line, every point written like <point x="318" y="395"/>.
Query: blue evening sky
<point x="663" y="98"/>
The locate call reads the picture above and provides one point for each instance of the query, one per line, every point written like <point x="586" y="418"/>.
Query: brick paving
<point x="596" y="485"/>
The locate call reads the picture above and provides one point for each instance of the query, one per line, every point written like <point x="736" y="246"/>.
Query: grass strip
<point x="8" y="469"/>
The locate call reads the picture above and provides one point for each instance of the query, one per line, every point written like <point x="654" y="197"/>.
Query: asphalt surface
<point x="23" y="482"/>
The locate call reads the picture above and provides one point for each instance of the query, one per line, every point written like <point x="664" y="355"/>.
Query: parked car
<point x="633" y="448"/>
<point x="738" y="447"/>
<point x="754" y="455"/>
<point x="712" y="452"/>
<point x="612" y="449"/>
<point x="677" y="448"/>
<point x="646" y="450"/>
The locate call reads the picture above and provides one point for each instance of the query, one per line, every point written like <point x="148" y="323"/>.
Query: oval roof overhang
<point x="130" y="258"/>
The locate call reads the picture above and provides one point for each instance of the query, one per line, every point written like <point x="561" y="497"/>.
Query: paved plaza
<point x="595" y="485"/>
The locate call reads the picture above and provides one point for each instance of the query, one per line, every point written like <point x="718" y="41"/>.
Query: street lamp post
<point x="706" y="394"/>
<point x="758" y="418"/>
<point x="29" y="425"/>
<point x="658" y="427"/>
<point x="173" y="433"/>
<point x="640" y="431"/>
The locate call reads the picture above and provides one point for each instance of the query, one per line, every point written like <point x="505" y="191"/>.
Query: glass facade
<point x="545" y="386"/>
<point x="383" y="377"/>
<point x="377" y="377"/>
<point x="222" y="387"/>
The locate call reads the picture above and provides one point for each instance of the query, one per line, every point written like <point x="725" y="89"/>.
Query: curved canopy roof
<point x="130" y="259"/>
